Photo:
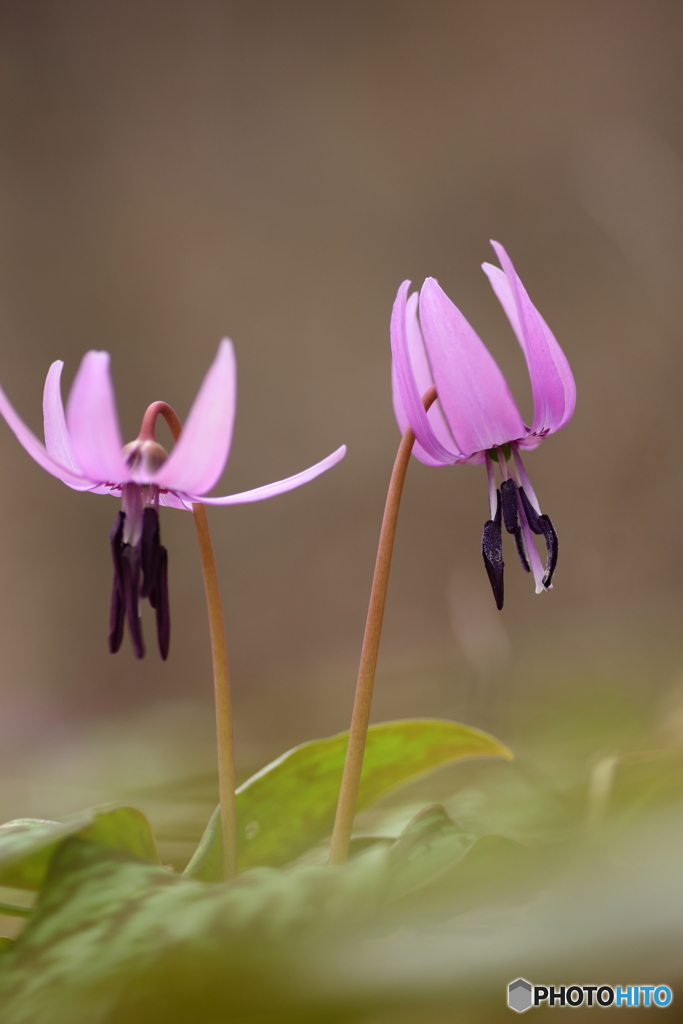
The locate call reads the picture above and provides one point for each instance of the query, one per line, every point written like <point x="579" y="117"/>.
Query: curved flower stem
<point x="221" y="676"/>
<point x="221" y="682"/>
<point x="353" y="766"/>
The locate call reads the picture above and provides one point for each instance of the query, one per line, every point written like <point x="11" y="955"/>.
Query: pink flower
<point x="84" y="449"/>
<point x="475" y="418"/>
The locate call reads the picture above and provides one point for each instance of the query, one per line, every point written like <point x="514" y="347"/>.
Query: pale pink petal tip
<point x="411" y="378"/>
<point x="552" y="382"/>
<point x="57" y="439"/>
<point x="199" y="457"/>
<point x="28" y="440"/>
<point x="93" y="422"/>
<point x="278" y="487"/>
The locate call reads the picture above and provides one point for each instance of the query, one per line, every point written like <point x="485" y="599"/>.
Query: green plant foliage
<point x="113" y="938"/>
<point x="116" y="941"/>
<point x="28" y="844"/>
<point x="110" y="933"/>
<point x="560" y="867"/>
<point x="429" y="842"/>
<point x="14" y="910"/>
<point x="290" y="804"/>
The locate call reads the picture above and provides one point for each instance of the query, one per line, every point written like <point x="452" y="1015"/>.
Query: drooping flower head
<point x="475" y="418"/>
<point x="83" y="448"/>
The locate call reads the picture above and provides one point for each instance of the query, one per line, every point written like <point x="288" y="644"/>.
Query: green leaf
<point x="28" y="844"/>
<point x="113" y="939"/>
<point x="428" y="844"/>
<point x="14" y="910"/>
<point x="483" y="871"/>
<point x="290" y="804"/>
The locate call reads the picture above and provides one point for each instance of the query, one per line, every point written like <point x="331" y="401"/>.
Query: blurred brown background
<point x="175" y="171"/>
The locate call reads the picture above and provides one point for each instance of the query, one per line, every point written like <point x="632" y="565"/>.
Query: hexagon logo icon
<point x="519" y="995"/>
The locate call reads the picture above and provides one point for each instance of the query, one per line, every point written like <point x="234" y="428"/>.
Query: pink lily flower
<point x="84" y="449"/>
<point x="475" y="418"/>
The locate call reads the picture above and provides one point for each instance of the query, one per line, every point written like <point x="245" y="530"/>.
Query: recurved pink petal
<point x="552" y="382"/>
<point x="279" y="487"/>
<point x="37" y="450"/>
<point x="424" y="380"/>
<point x="474" y="395"/>
<point x="57" y="440"/>
<point x="402" y="420"/>
<point x="411" y="377"/>
<point x="197" y="460"/>
<point x="172" y="500"/>
<point x="93" y="423"/>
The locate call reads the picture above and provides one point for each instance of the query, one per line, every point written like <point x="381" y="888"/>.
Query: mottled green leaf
<point x="28" y="844"/>
<point x="290" y="804"/>
<point x="114" y="939"/>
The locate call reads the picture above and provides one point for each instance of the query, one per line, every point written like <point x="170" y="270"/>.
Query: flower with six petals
<point x="83" y="448"/>
<point x="475" y="418"/>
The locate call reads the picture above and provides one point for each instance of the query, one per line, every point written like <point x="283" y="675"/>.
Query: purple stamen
<point x="117" y="610"/>
<point x="492" y="552"/>
<point x="131" y="589"/>
<point x="521" y="550"/>
<point x="140" y="570"/>
<point x="149" y="552"/>
<point x="508" y="492"/>
<point x="532" y="515"/>
<point x="542" y="526"/>
<point x="508" y="497"/>
<point x="553" y="546"/>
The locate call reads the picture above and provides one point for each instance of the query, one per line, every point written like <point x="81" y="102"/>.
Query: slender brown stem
<point x="221" y="682"/>
<point x="219" y="655"/>
<point x="360" y="719"/>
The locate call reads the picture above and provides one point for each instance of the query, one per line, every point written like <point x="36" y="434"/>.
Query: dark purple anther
<point x="541" y="525"/>
<point x="553" y="546"/>
<point x="140" y="570"/>
<point x="131" y="590"/>
<point x="508" y="501"/>
<point x="508" y="495"/>
<point x="521" y="551"/>
<point x="492" y="551"/>
<point x="117" y="614"/>
<point x="149" y="551"/>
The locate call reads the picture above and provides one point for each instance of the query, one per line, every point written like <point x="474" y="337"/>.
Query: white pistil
<point x="503" y="463"/>
<point x="131" y="505"/>
<point x="493" y="492"/>
<point x="525" y="482"/>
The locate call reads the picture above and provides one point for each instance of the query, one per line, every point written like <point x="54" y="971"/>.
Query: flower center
<point x="145" y="456"/>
